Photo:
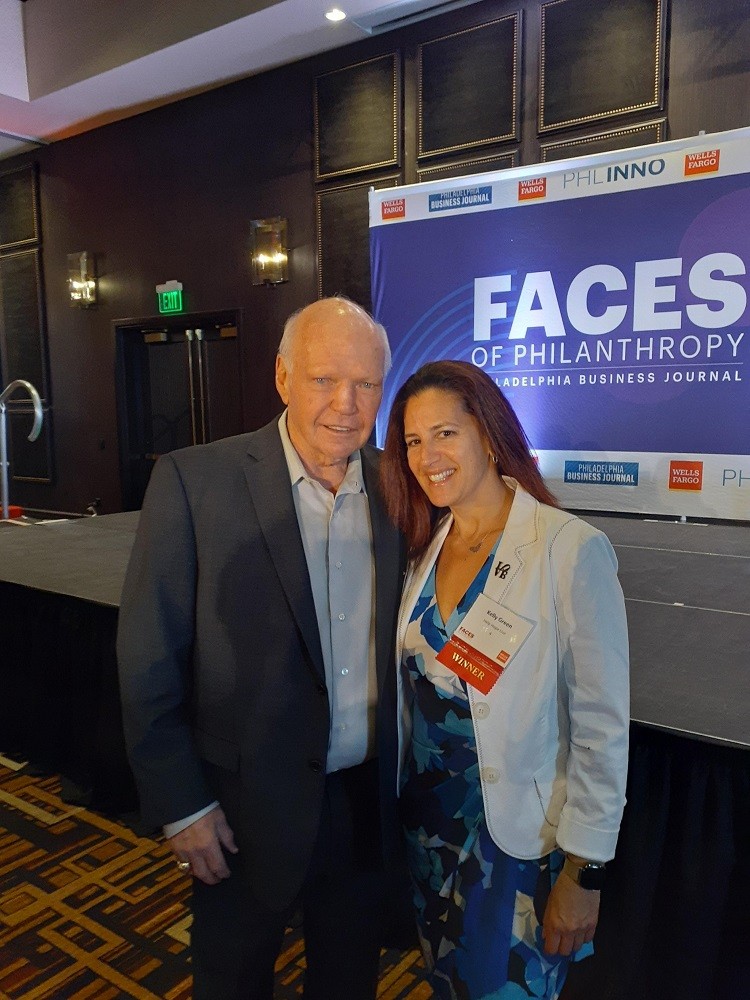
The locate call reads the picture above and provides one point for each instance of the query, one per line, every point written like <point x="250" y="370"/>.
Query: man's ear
<point x="282" y="379"/>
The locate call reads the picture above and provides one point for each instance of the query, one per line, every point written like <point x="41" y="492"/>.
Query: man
<point x="256" y="666"/>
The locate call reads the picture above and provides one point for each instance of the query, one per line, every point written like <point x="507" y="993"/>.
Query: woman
<point x="512" y="648"/>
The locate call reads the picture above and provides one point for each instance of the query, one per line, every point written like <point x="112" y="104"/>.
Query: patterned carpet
<point x="91" y="911"/>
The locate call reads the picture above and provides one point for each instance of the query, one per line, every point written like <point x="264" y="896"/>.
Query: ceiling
<point x="67" y="66"/>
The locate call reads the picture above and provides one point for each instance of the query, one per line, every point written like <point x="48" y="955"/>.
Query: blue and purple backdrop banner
<point x="607" y="297"/>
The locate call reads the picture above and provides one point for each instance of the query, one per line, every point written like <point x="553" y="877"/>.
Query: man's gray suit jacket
<point x="221" y="671"/>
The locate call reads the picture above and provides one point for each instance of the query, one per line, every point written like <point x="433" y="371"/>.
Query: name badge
<point x="484" y="643"/>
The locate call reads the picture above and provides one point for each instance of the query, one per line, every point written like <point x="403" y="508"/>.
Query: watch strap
<point x="589" y="875"/>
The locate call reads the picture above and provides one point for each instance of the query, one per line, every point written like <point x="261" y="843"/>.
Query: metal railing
<point x="7" y="392"/>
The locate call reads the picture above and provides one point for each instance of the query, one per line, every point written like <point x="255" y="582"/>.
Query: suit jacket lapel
<point x="389" y="566"/>
<point x="267" y="476"/>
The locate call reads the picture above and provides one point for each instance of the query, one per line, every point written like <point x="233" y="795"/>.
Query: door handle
<point x="201" y="383"/>
<point x="191" y="381"/>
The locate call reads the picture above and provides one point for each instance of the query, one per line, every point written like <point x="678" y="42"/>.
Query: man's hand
<point x="201" y="844"/>
<point x="570" y="917"/>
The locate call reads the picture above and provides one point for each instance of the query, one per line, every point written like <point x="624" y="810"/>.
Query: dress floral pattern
<point x="479" y="911"/>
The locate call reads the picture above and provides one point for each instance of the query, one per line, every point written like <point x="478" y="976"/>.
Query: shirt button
<point x="481" y="710"/>
<point x="339" y="564"/>
<point x="342" y="727"/>
<point x="345" y="671"/>
<point x="490" y="775"/>
<point x="342" y="617"/>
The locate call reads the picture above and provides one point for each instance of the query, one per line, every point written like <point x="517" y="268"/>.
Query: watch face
<point x="592" y="876"/>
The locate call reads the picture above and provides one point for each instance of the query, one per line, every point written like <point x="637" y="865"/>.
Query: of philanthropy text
<point x="668" y="321"/>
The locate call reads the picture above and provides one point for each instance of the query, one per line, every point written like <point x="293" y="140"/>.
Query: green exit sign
<point x="169" y="297"/>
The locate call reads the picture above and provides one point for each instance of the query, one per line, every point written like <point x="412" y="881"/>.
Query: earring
<point x="493" y="458"/>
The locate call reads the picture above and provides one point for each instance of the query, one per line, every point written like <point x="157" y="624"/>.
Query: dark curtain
<point x="59" y="699"/>
<point x="674" y="922"/>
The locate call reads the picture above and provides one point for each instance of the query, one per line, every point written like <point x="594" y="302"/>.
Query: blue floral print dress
<point x="479" y="911"/>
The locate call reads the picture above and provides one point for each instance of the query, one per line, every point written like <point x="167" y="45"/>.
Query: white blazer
<point x="552" y="734"/>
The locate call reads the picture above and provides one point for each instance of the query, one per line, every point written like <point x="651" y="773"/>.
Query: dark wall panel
<point x="19" y="222"/>
<point x="357" y="120"/>
<point x="344" y="239"/>
<point x="463" y="168"/>
<point x="599" y="60"/>
<point x="22" y="340"/>
<point x="709" y="66"/>
<point x="468" y="88"/>
<point x="605" y="142"/>
<point x="30" y="461"/>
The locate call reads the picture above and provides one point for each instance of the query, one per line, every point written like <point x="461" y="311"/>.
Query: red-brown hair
<point x="406" y="502"/>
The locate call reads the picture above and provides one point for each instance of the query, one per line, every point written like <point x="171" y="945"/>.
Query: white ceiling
<point x="67" y="66"/>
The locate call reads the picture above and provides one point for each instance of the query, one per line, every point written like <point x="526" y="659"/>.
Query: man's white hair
<point x="291" y="328"/>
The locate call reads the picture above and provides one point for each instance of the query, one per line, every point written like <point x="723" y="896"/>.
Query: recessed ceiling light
<point x="335" y="14"/>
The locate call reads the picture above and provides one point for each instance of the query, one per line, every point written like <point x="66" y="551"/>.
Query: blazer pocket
<point x="217" y="751"/>
<point x="551" y="791"/>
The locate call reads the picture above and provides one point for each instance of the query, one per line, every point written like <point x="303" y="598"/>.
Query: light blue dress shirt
<point x="337" y="539"/>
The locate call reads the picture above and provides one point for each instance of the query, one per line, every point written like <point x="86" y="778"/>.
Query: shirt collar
<point x="353" y="481"/>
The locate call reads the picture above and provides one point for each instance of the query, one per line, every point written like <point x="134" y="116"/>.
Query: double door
<point x="179" y="385"/>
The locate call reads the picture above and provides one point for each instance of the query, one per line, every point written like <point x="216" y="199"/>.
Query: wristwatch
<point x="589" y="875"/>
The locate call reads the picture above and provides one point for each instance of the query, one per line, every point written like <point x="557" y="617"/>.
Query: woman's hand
<point x="570" y="917"/>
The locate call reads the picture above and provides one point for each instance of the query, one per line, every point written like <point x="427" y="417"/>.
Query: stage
<point x="84" y="557"/>
<point x="686" y="585"/>
<point x="687" y="593"/>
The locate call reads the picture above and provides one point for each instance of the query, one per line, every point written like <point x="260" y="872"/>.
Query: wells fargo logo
<point x="686" y="475"/>
<point x="393" y="208"/>
<point x="706" y="162"/>
<point x="536" y="188"/>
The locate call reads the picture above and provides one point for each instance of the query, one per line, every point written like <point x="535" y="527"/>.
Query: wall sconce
<point x="269" y="251"/>
<point x="82" y="279"/>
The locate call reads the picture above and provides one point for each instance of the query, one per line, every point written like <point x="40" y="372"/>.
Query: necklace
<point x="477" y="545"/>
